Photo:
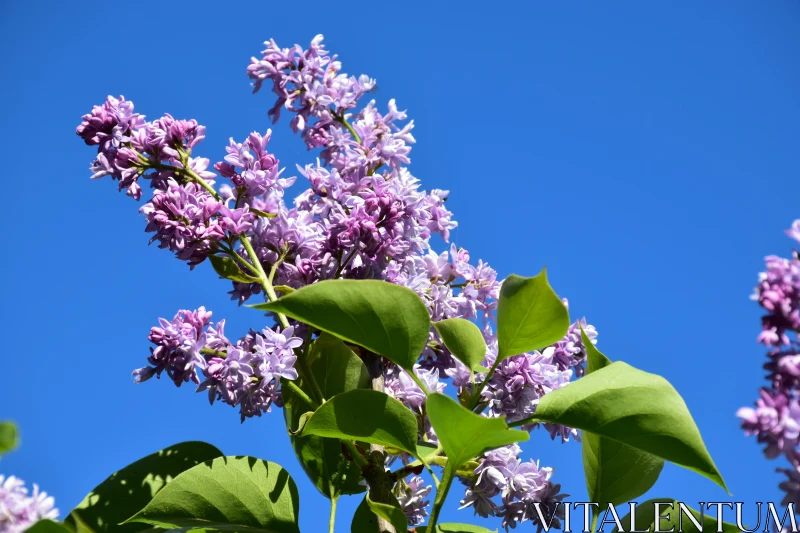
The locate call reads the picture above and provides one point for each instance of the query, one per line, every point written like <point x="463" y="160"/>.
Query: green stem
<point x="347" y="125"/>
<point x="594" y="522"/>
<point x="477" y="394"/>
<point x="360" y="460"/>
<point x="524" y="421"/>
<point x="332" y="521"/>
<point x="344" y="263"/>
<point x="262" y="277"/>
<point x="419" y="382"/>
<point x="300" y="393"/>
<point x="213" y="353"/>
<point x="441" y="496"/>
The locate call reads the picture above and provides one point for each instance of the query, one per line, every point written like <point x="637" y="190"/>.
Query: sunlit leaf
<point x="367" y="416"/>
<point x="227" y="493"/>
<point x="385" y="318"/>
<point x="464" y="340"/>
<point x="529" y="315"/>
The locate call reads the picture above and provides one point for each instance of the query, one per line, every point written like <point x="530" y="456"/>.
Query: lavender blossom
<point x="249" y="374"/>
<point x="518" y="485"/>
<point x="19" y="510"/>
<point x="362" y="215"/>
<point x="182" y="218"/>
<point x="411" y="496"/>
<point x="775" y="419"/>
<point x="178" y="347"/>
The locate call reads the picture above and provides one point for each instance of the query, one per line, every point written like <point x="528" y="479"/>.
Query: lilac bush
<point x="775" y="419"/>
<point x="363" y="215"/>
<point x="382" y="350"/>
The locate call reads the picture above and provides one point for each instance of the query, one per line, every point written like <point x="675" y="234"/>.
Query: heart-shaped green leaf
<point x="385" y="318"/>
<point x="615" y="473"/>
<point x="336" y="369"/>
<point x="367" y="416"/>
<point x="463" y="434"/>
<point x="8" y="437"/>
<point x="464" y="340"/>
<point x="529" y="315"/>
<point x="227" y="493"/>
<point x="645" y="519"/>
<point x="228" y="269"/>
<point x="130" y="489"/>
<point x="635" y="408"/>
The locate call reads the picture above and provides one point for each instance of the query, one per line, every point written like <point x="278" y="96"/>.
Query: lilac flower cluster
<point x="775" y="419"/>
<point x="19" y="510"/>
<point x="362" y="216"/>
<point x="245" y="375"/>
<point x="518" y="485"/>
<point x="411" y="496"/>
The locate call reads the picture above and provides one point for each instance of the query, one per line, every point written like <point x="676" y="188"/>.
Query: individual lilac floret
<point x="412" y="500"/>
<point x="517" y="484"/>
<point x="20" y="510"/>
<point x="775" y="421"/>
<point x="178" y="347"/>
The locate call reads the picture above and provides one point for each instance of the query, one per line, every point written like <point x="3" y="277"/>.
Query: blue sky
<point x="645" y="152"/>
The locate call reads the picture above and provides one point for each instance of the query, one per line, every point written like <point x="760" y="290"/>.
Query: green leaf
<point x="464" y="340"/>
<point x="645" y="519"/>
<point x="392" y="513"/>
<point x="463" y="434"/>
<point x="130" y="489"/>
<point x="529" y="315"/>
<point x="228" y="269"/>
<point x="228" y="493"/>
<point x="385" y="318"/>
<point x="595" y="360"/>
<point x="425" y="450"/>
<point x="452" y="527"/>
<point x="47" y="526"/>
<point x="365" y="519"/>
<point x="9" y="440"/>
<point x="635" y="408"/>
<point x="367" y="416"/>
<point x="336" y="369"/>
<point x="615" y="473"/>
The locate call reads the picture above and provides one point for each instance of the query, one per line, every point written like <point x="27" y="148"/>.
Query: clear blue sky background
<point x="646" y="152"/>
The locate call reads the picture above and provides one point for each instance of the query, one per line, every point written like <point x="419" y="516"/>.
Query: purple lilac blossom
<point x="19" y="510"/>
<point x="245" y="375"/>
<point x="507" y="487"/>
<point x="412" y="500"/>
<point x="775" y="419"/>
